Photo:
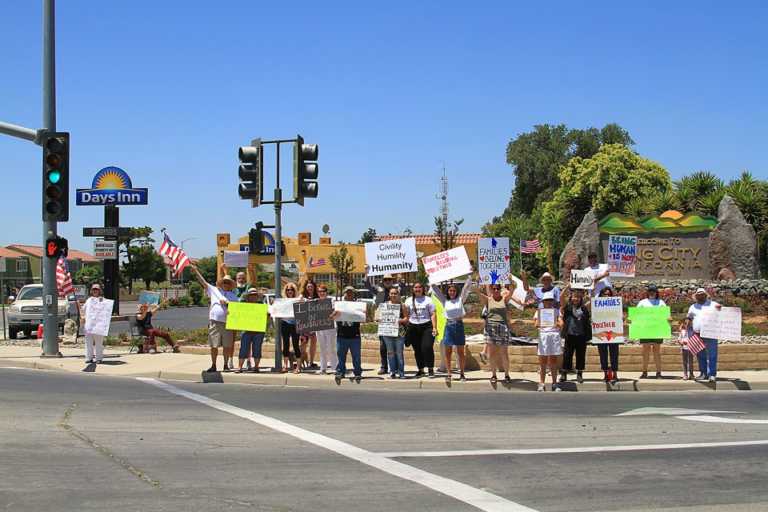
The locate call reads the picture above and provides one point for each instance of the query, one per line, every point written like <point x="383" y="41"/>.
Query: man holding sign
<point x="348" y="340"/>
<point x="708" y="356"/>
<point x="96" y="316"/>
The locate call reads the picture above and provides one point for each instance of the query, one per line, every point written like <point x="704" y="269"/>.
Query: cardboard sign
<point x="723" y="324"/>
<point x="99" y="316"/>
<point x="351" y="311"/>
<point x="649" y="323"/>
<point x="581" y="279"/>
<point x="447" y="265"/>
<point x="238" y="259"/>
<point x="520" y="294"/>
<point x="607" y="320"/>
<point x="282" y="308"/>
<point x="547" y="317"/>
<point x="493" y="260"/>
<point x="313" y="315"/>
<point x="391" y="256"/>
<point x="622" y="254"/>
<point x="389" y="317"/>
<point x="150" y="298"/>
<point x="440" y="317"/>
<point x="247" y="316"/>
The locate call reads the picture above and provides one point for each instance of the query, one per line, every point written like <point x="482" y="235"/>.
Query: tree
<point x="208" y="268"/>
<point x="88" y="275"/>
<point x="343" y="263"/>
<point x="445" y="233"/>
<point x="516" y="228"/>
<point x="145" y="264"/>
<point x="692" y="190"/>
<point x="136" y="237"/>
<point x="368" y="236"/>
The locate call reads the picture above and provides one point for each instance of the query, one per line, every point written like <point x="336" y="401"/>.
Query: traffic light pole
<point x="278" y="264"/>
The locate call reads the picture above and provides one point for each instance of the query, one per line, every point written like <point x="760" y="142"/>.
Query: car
<point x="365" y="295"/>
<point x="26" y="311"/>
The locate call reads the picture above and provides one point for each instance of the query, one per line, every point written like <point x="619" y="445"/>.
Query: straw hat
<point x="225" y="279"/>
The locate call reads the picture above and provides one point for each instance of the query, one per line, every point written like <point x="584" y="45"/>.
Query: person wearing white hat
<point x="708" y="356"/>
<point x="549" y="346"/>
<point x="547" y="286"/>
<point x="218" y="335"/>
<point x="94" y="343"/>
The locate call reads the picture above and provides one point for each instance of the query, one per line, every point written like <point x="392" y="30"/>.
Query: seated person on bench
<point x="144" y="323"/>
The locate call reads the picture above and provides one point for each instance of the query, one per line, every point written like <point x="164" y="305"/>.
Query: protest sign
<point x="99" y="316"/>
<point x="519" y="294"/>
<point x="351" y="311"/>
<point x="493" y="260"/>
<point x="237" y="259"/>
<point x="247" y="316"/>
<point x="150" y="298"/>
<point x="622" y="254"/>
<point x="581" y="279"/>
<point x="547" y="317"/>
<point x="389" y="317"/>
<point x="282" y="308"/>
<point x="607" y="320"/>
<point x="313" y="315"/>
<point x="447" y="265"/>
<point x="440" y="316"/>
<point x="649" y="323"/>
<point x="391" y="256"/>
<point x="722" y="324"/>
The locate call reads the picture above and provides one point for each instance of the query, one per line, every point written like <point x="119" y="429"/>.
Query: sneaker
<point x="323" y="372"/>
<point x="541" y="387"/>
<point x="248" y="366"/>
<point x="358" y="378"/>
<point x="393" y="376"/>
<point x="431" y="372"/>
<point x="212" y="369"/>
<point x="337" y="378"/>
<point x="658" y="375"/>
<point x="686" y="376"/>
<point x="313" y="366"/>
<point x="226" y="368"/>
<point x="557" y="389"/>
<point x="381" y="371"/>
<point x="579" y="378"/>
<point x="614" y="376"/>
<point x="507" y="379"/>
<point x="712" y="378"/>
<point x="644" y="375"/>
<point x="701" y="377"/>
<point x="256" y="369"/>
<point x="419" y="374"/>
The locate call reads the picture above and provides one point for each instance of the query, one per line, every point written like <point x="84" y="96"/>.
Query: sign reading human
<point x="391" y="256"/>
<point x="447" y="265"/>
<point x="493" y="260"/>
<point x="622" y="255"/>
<point x="581" y="279"/>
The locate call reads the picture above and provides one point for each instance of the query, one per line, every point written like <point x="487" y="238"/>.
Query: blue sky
<point x="390" y="92"/>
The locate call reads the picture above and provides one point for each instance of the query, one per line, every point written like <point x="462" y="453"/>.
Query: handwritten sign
<point x="389" y="317"/>
<point x="622" y="254"/>
<point x="98" y="316"/>
<point x="493" y="260"/>
<point x="723" y="324"/>
<point x="519" y="294"/>
<point x="282" y="308"/>
<point x="247" y="316"/>
<point x="313" y="315"/>
<point x="607" y="320"/>
<point x="351" y="311"/>
<point x="391" y="256"/>
<point x="581" y="279"/>
<point x="547" y="317"/>
<point x="649" y="323"/>
<point x="150" y="298"/>
<point x="447" y="265"/>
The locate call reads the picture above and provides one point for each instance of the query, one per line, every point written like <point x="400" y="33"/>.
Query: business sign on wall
<point x="112" y="187"/>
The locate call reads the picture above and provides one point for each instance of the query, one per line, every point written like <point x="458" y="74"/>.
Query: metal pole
<point x="278" y="262"/>
<point x="50" y="292"/>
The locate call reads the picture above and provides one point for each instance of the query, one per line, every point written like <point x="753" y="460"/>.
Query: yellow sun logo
<point x="111" y="178"/>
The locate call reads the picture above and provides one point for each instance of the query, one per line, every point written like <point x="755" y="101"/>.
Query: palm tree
<point x="691" y="190"/>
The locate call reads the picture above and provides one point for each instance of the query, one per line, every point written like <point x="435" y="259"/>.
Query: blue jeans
<point x="344" y="345"/>
<point x="248" y="340"/>
<point x="708" y="358"/>
<point x="395" y="358"/>
<point x="606" y="351"/>
<point x="383" y="354"/>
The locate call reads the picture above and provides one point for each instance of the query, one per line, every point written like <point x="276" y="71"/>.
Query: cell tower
<point x="443" y="196"/>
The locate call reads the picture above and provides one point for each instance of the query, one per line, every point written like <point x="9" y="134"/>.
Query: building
<point x="23" y="264"/>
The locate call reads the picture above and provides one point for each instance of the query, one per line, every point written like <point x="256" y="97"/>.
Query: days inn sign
<point x="112" y="187"/>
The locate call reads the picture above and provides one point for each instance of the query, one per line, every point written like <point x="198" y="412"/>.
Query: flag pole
<point x="520" y="247"/>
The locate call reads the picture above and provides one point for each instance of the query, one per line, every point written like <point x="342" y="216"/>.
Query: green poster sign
<point x="247" y="316"/>
<point x="649" y="323"/>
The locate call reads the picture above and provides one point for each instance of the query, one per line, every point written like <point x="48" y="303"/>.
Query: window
<point x="32" y="293"/>
<point x="22" y="265"/>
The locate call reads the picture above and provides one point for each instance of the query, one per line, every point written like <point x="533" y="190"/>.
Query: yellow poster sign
<point x="247" y="316"/>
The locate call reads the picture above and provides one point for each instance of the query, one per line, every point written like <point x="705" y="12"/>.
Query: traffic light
<point x="304" y="170"/>
<point x="256" y="239"/>
<point x="56" y="176"/>
<point x="56" y="246"/>
<point x="251" y="172"/>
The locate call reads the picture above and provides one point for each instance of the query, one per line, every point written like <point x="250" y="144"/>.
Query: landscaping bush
<point x="195" y="293"/>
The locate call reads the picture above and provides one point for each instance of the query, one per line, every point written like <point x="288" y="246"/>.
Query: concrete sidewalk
<point x="188" y="367"/>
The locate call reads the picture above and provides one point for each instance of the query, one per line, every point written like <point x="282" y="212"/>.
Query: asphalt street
<point x="89" y="442"/>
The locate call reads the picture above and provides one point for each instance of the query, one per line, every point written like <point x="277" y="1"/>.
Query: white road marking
<point x="671" y="411"/>
<point x="715" y="419"/>
<point x="582" y="449"/>
<point x="475" y="497"/>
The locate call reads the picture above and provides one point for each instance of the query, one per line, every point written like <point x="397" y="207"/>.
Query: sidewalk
<point x="188" y="367"/>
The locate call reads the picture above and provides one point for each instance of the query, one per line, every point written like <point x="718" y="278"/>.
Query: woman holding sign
<point x="609" y="350"/>
<point x="453" y="309"/>
<point x="497" y="329"/>
<point x="651" y="301"/>
<point x="288" y="333"/>
<point x="250" y="342"/>
<point x="393" y="333"/>
<point x="308" y="292"/>
<point x="422" y="329"/>
<point x="326" y="339"/>
<point x="94" y="343"/>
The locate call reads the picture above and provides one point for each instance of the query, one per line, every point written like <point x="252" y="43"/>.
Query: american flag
<point x="177" y="257"/>
<point x="63" y="278"/>
<point x="316" y="263"/>
<point x="694" y="342"/>
<point x="529" y="246"/>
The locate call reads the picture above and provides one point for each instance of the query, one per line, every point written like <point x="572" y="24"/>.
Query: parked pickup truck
<point x="26" y="311"/>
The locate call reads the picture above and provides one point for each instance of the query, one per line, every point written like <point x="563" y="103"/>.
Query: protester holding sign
<point x="392" y="316"/>
<point x="381" y="295"/>
<point x="599" y="273"/>
<point x="144" y="324"/>
<point x="547" y="319"/>
<point x="218" y="335"/>
<point x="497" y="331"/>
<point x="422" y="329"/>
<point x="708" y="356"/>
<point x="250" y="342"/>
<point x="546" y="286"/>
<point x="453" y="310"/>
<point x="94" y="337"/>
<point x="308" y="292"/>
<point x="577" y="331"/>
<point x="610" y="349"/>
<point x="651" y="345"/>
<point x="348" y="340"/>
<point x="326" y="338"/>
<point x="288" y="333"/>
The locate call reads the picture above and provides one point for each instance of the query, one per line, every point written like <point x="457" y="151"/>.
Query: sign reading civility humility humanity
<point x="391" y="256"/>
<point x="447" y="265"/>
<point x="313" y="315"/>
<point x="722" y="324"/>
<point x="607" y="320"/>
<point x="112" y="187"/>
<point x="649" y="323"/>
<point x="493" y="260"/>
<point x="247" y="316"/>
<point x="389" y="316"/>
<point x="581" y="279"/>
<point x="622" y="255"/>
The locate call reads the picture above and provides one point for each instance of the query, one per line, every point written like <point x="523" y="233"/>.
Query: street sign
<point x="101" y="232"/>
<point x="105" y="249"/>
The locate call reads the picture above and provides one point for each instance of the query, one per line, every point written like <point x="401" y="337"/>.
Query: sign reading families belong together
<point x="607" y="320"/>
<point x="391" y="256"/>
<point x="493" y="260"/>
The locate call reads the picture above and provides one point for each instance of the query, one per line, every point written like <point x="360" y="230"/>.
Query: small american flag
<point x="177" y="257"/>
<point x="316" y="263"/>
<point x="63" y="278"/>
<point x="529" y="246"/>
<point x="694" y="342"/>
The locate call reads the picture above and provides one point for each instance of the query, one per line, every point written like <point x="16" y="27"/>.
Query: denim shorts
<point x="454" y="334"/>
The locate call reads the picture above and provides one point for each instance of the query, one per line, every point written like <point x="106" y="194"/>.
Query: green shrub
<point x="185" y="301"/>
<point x="195" y="293"/>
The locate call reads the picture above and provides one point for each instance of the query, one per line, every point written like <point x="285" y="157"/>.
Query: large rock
<point x="732" y="244"/>
<point x="585" y="239"/>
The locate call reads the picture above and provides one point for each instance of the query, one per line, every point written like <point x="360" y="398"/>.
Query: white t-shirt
<point x="218" y="313"/>
<point x="453" y="309"/>
<point x="696" y="310"/>
<point x="420" y="310"/>
<point x="600" y="268"/>
<point x="651" y="303"/>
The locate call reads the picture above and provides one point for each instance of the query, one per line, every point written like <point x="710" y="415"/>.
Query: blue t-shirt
<point x="539" y="293"/>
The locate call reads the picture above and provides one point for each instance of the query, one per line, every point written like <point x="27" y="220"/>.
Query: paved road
<point x="88" y="442"/>
<point x="172" y="318"/>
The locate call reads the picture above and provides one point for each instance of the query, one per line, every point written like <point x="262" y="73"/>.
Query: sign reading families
<point x="722" y="324"/>
<point x="313" y="315"/>
<point x="389" y="316"/>
<point x="247" y="316"/>
<point x="581" y="279"/>
<point x="391" y="256"/>
<point x="622" y="254"/>
<point x="607" y="320"/>
<point x="649" y="323"/>
<point x="493" y="260"/>
<point x="447" y="265"/>
<point x="112" y="187"/>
